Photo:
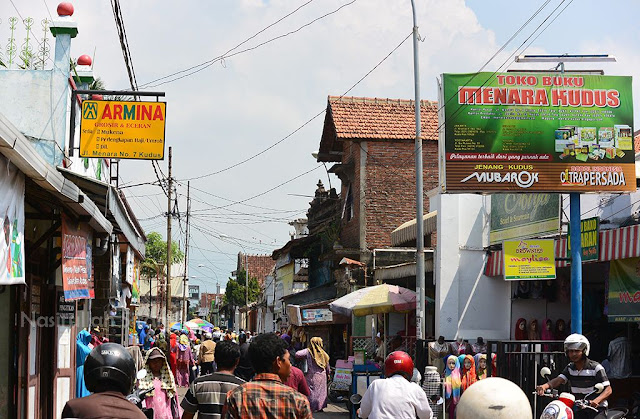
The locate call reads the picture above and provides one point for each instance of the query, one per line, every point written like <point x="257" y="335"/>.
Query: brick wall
<point x="349" y="235"/>
<point x="390" y="188"/>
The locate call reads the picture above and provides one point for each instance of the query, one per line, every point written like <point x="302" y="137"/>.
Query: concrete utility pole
<point x="186" y="254"/>
<point x="420" y="308"/>
<point x="168" y="288"/>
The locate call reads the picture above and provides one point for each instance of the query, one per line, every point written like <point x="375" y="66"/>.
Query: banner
<point x="529" y="259"/>
<point x="77" y="240"/>
<point x="12" y="217"/>
<point x="135" y="287"/>
<point x="538" y="132"/>
<point x="589" y="238"/>
<point x="624" y="290"/>
<point x="122" y="130"/>
<point x="518" y="216"/>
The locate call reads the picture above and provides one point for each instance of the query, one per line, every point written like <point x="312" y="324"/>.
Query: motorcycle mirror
<point x="141" y="374"/>
<point x="599" y="387"/>
<point x="544" y="372"/>
<point x="355" y="398"/>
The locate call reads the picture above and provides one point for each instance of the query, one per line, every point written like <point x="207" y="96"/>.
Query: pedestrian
<point x="619" y="356"/>
<point x="379" y="354"/>
<point x="184" y="361"/>
<point x="82" y="351"/>
<point x="163" y="395"/>
<point x="317" y="373"/>
<point x="173" y="343"/>
<point x="267" y="396"/>
<point x="438" y="351"/>
<point x="296" y="379"/>
<point x="149" y="340"/>
<point x="244" y="369"/>
<point x="161" y="343"/>
<point x="207" y="394"/>
<point x="452" y="384"/>
<point x="195" y="351"/>
<point x="206" y="356"/>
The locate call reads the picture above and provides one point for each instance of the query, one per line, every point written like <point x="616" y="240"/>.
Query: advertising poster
<point x="529" y="259"/>
<point x="135" y="287"/>
<point x="122" y="130"/>
<point x="77" y="239"/>
<point x="538" y="132"/>
<point x="518" y="216"/>
<point x="589" y="237"/>
<point x="624" y="290"/>
<point x="12" y="217"/>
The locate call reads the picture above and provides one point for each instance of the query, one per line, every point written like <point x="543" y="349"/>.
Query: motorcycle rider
<point x="109" y="373"/>
<point x="395" y="397"/>
<point x="583" y="374"/>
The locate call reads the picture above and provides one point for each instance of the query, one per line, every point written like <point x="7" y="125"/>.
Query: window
<point x="348" y="205"/>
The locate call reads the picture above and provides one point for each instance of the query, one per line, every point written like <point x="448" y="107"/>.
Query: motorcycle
<point x="338" y="392"/>
<point x="138" y="396"/>
<point x="561" y="407"/>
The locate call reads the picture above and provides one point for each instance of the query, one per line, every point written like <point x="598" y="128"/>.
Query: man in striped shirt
<point x="582" y="374"/>
<point x="207" y="394"/>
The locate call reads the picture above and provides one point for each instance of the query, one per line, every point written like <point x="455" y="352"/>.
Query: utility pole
<point x="186" y="254"/>
<point x="168" y="288"/>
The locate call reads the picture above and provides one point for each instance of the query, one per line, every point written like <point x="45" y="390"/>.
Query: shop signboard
<point x="122" y="130"/>
<point x="623" y="298"/>
<point x="519" y="216"/>
<point x="537" y="132"/>
<point x="77" y="239"/>
<point x="135" y="287"/>
<point x="66" y="310"/>
<point x="315" y="315"/>
<point x="12" y="220"/>
<point x="529" y="259"/>
<point x="590" y="239"/>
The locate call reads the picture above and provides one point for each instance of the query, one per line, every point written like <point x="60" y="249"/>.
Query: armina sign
<point x="537" y="132"/>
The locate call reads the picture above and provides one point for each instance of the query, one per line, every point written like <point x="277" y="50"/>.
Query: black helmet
<point x="112" y="363"/>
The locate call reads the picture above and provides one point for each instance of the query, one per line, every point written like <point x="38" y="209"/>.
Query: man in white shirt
<point x="395" y="397"/>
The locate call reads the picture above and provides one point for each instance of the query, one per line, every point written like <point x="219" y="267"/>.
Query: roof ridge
<point x="378" y="101"/>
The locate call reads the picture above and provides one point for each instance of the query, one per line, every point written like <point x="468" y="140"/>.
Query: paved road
<point x="333" y="411"/>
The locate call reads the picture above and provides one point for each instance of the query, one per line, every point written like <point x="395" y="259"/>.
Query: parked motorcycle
<point x="561" y="407"/>
<point x="138" y="396"/>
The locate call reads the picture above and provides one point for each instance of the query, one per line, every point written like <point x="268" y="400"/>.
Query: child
<point x="468" y="372"/>
<point x="482" y="366"/>
<point x="163" y="398"/>
<point x="452" y="384"/>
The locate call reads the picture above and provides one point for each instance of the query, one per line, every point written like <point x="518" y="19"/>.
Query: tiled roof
<point x="636" y="142"/>
<point x="375" y="118"/>
<point x="259" y="265"/>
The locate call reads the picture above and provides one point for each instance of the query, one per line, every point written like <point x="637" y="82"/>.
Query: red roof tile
<point x="636" y="142"/>
<point x="388" y="119"/>
<point x="259" y="265"/>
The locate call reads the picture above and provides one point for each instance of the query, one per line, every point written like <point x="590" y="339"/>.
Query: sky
<point x="266" y="98"/>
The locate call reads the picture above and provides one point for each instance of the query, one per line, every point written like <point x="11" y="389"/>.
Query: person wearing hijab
<point x="534" y="330"/>
<point x="163" y="397"/>
<point x="161" y="343"/>
<point x="561" y="330"/>
<point x="468" y="376"/>
<point x="184" y="361"/>
<point x="452" y="384"/>
<point x="481" y="372"/>
<point x="547" y="332"/>
<point x="82" y="351"/>
<point x="317" y="373"/>
<point x="173" y="344"/>
<point x="521" y="329"/>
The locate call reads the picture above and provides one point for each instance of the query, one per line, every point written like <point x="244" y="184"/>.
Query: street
<point x="333" y="411"/>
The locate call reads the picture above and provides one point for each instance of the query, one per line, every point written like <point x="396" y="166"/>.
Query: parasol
<point x="382" y="298"/>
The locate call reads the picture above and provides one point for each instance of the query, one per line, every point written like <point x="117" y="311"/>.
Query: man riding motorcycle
<point x="582" y="374"/>
<point x="109" y="373"/>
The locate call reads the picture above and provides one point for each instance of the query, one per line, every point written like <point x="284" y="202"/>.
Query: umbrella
<point x="178" y="326"/>
<point x="383" y="298"/>
<point x="198" y="323"/>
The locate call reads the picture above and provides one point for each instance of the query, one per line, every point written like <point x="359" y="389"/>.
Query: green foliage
<point x="235" y="290"/>
<point x="156" y="254"/>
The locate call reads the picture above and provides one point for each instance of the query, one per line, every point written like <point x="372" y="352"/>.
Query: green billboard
<point x="519" y="216"/>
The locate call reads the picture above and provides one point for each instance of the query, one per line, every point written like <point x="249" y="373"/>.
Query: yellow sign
<point x="529" y="259"/>
<point x="122" y="130"/>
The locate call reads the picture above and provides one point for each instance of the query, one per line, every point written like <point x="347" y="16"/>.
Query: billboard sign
<point x="77" y="241"/>
<point x="590" y="239"/>
<point x="518" y="216"/>
<point x="623" y="297"/>
<point x="315" y="315"/>
<point x="529" y="259"/>
<point x="122" y="130"/>
<point x="537" y="132"/>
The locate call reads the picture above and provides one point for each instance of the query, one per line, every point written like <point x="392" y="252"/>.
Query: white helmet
<point x="577" y="341"/>
<point x="493" y="398"/>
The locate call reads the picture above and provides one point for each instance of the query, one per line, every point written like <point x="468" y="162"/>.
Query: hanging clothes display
<point x="82" y="351"/>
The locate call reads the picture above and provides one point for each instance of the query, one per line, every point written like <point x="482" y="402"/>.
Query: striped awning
<point x="407" y="232"/>
<point x="618" y="243"/>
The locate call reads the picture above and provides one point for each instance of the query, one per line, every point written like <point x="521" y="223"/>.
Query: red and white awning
<point x="619" y="243"/>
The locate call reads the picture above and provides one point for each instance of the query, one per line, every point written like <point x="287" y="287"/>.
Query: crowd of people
<point x="231" y="375"/>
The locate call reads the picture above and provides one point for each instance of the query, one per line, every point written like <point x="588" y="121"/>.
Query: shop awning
<point x="17" y="148"/>
<point x="615" y="244"/>
<point x="403" y="270"/>
<point x="106" y="196"/>
<point x="407" y="232"/>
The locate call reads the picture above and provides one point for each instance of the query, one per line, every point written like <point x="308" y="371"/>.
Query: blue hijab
<point x="82" y="351"/>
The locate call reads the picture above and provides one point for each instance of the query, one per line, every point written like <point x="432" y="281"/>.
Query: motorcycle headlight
<point x="550" y="412"/>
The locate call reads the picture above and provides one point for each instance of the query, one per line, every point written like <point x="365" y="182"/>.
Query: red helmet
<point x="398" y="362"/>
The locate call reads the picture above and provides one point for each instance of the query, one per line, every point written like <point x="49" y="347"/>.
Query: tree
<point x="235" y="290"/>
<point x="156" y="255"/>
